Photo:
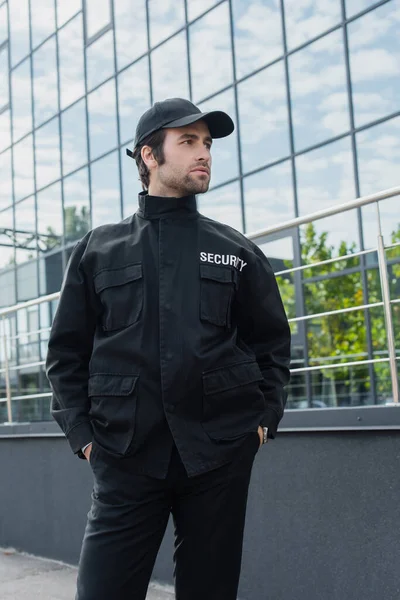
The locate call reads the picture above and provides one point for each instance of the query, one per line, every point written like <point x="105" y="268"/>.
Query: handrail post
<point x="387" y="310"/>
<point x="7" y="373"/>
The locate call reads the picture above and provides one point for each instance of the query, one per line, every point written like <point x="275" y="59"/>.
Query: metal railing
<point x="386" y="302"/>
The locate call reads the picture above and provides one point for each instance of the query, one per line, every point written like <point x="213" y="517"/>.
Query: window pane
<point x="355" y="6"/>
<point x="21" y="99"/>
<point x="25" y="224"/>
<point x="131" y="186"/>
<point x="71" y="62"/>
<point x="258" y="34"/>
<point x="7" y="285"/>
<point x="105" y="190"/>
<point x="198" y="7"/>
<point x="19" y="29"/>
<point x="330" y="237"/>
<point x="98" y="15"/>
<point x="165" y="19"/>
<point x="5" y="130"/>
<point x="66" y="10"/>
<point x="134" y="97"/>
<point x="27" y="281"/>
<point x="23" y="168"/>
<point x="128" y="17"/>
<point x="74" y="137"/>
<point x="224" y="151"/>
<point x="45" y="82"/>
<point x="100" y="60"/>
<point x="223" y="205"/>
<point x="4" y="80"/>
<point x="305" y="21"/>
<point x="43" y="21"/>
<point x="211" y="53"/>
<point x="169" y="69"/>
<point x="374" y="43"/>
<point x="7" y="222"/>
<point x="76" y="205"/>
<point x="325" y="177"/>
<point x="102" y="119"/>
<point x="263" y="115"/>
<point x="268" y="197"/>
<point x="50" y="223"/>
<point x="390" y="223"/>
<point x="319" y="91"/>
<point x="3" y="23"/>
<point x="47" y="142"/>
<point x="5" y="180"/>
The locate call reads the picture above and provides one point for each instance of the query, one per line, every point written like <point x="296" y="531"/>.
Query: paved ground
<point x="25" y="577"/>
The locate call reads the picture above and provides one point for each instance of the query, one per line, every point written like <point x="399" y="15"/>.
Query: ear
<point x="148" y="158"/>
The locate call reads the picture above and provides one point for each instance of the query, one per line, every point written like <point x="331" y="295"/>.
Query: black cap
<point x="178" y="112"/>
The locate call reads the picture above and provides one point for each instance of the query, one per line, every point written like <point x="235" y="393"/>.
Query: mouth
<point x="200" y="170"/>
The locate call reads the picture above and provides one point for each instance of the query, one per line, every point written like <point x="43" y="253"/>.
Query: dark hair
<point x="156" y="142"/>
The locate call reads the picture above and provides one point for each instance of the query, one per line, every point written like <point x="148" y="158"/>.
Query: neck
<point x="163" y="191"/>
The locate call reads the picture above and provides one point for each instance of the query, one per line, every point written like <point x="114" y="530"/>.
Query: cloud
<point x="23" y="168"/>
<point x="166" y="17"/>
<point x="170" y="69"/>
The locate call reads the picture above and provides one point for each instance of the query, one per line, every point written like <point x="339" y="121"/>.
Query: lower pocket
<point x="113" y="410"/>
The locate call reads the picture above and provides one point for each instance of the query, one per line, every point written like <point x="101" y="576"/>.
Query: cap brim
<point x="219" y="123"/>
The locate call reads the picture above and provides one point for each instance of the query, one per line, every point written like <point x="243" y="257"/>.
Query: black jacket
<point x="169" y="329"/>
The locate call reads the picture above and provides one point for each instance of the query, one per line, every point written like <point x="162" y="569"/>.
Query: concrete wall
<point x="322" y="523"/>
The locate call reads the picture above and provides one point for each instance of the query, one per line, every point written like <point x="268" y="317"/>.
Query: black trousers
<point x="129" y="515"/>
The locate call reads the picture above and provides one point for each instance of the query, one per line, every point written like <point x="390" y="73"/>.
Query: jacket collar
<point x="156" y="207"/>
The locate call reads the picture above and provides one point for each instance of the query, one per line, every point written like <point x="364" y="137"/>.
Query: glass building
<point x="314" y="90"/>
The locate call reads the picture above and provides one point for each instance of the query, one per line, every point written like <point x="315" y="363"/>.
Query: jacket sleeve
<point x="263" y="326"/>
<point x="69" y="351"/>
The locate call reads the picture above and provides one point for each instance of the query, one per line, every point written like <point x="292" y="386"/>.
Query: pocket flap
<point x="230" y="377"/>
<point x="109" y="384"/>
<point x="217" y="273"/>
<point x="113" y="277"/>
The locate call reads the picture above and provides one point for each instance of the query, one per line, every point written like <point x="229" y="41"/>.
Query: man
<point x="168" y="357"/>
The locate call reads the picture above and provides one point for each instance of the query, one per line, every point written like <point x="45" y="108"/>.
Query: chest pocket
<point x="121" y="294"/>
<point x="217" y="286"/>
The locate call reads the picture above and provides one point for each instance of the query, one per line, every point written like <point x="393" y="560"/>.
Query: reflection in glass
<point x="47" y="152"/>
<point x="325" y="176"/>
<point x="100" y="60"/>
<point x="5" y="130"/>
<point x="133" y="96"/>
<point x="210" y="53"/>
<point x="378" y="152"/>
<point x="224" y="151"/>
<point x="374" y="44"/>
<point x="263" y="117"/>
<point x="66" y="10"/>
<point x="74" y="140"/>
<point x="70" y="40"/>
<point x="43" y="21"/>
<point x="355" y="6"/>
<point x="128" y="17"/>
<point x="305" y="21"/>
<point x="50" y="229"/>
<point x="8" y="296"/>
<point x="19" y="29"/>
<point x="4" y="81"/>
<point x="25" y="224"/>
<point x="23" y="168"/>
<point x="98" y="15"/>
<point x="21" y="99"/>
<point x="169" y="69"/>
<point x="223" y="204"/>
<point x="131" y="185"/>
<point x="45" y="82"/>
<point x="5" y="180"/>
<point x="106" y="204"/>
<point x="319" y="92"/>
<point x="258" y="34"/>
<point x="166" y="17"/>
<point x="198" y="7"/>
<point x="268" y="197"/>
<point x="102" y="119"/>
<point x="7" y="253"/>
<point x="76" y="205"/>
<point x="3" y="23"/>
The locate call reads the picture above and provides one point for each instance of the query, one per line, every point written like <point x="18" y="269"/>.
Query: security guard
<point x="168" y="357"/>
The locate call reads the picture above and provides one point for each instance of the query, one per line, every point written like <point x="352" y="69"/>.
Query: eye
<point x="188" y="141"/>
<point x="208" y="146"/>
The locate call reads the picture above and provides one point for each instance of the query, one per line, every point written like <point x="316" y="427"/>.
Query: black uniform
<point x="169" y="347"/>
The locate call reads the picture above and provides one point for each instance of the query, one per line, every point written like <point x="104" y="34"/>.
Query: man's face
<point x="187" y="166"/>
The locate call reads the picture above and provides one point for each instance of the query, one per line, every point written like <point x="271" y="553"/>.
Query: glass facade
<point x="314" y="90"/>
